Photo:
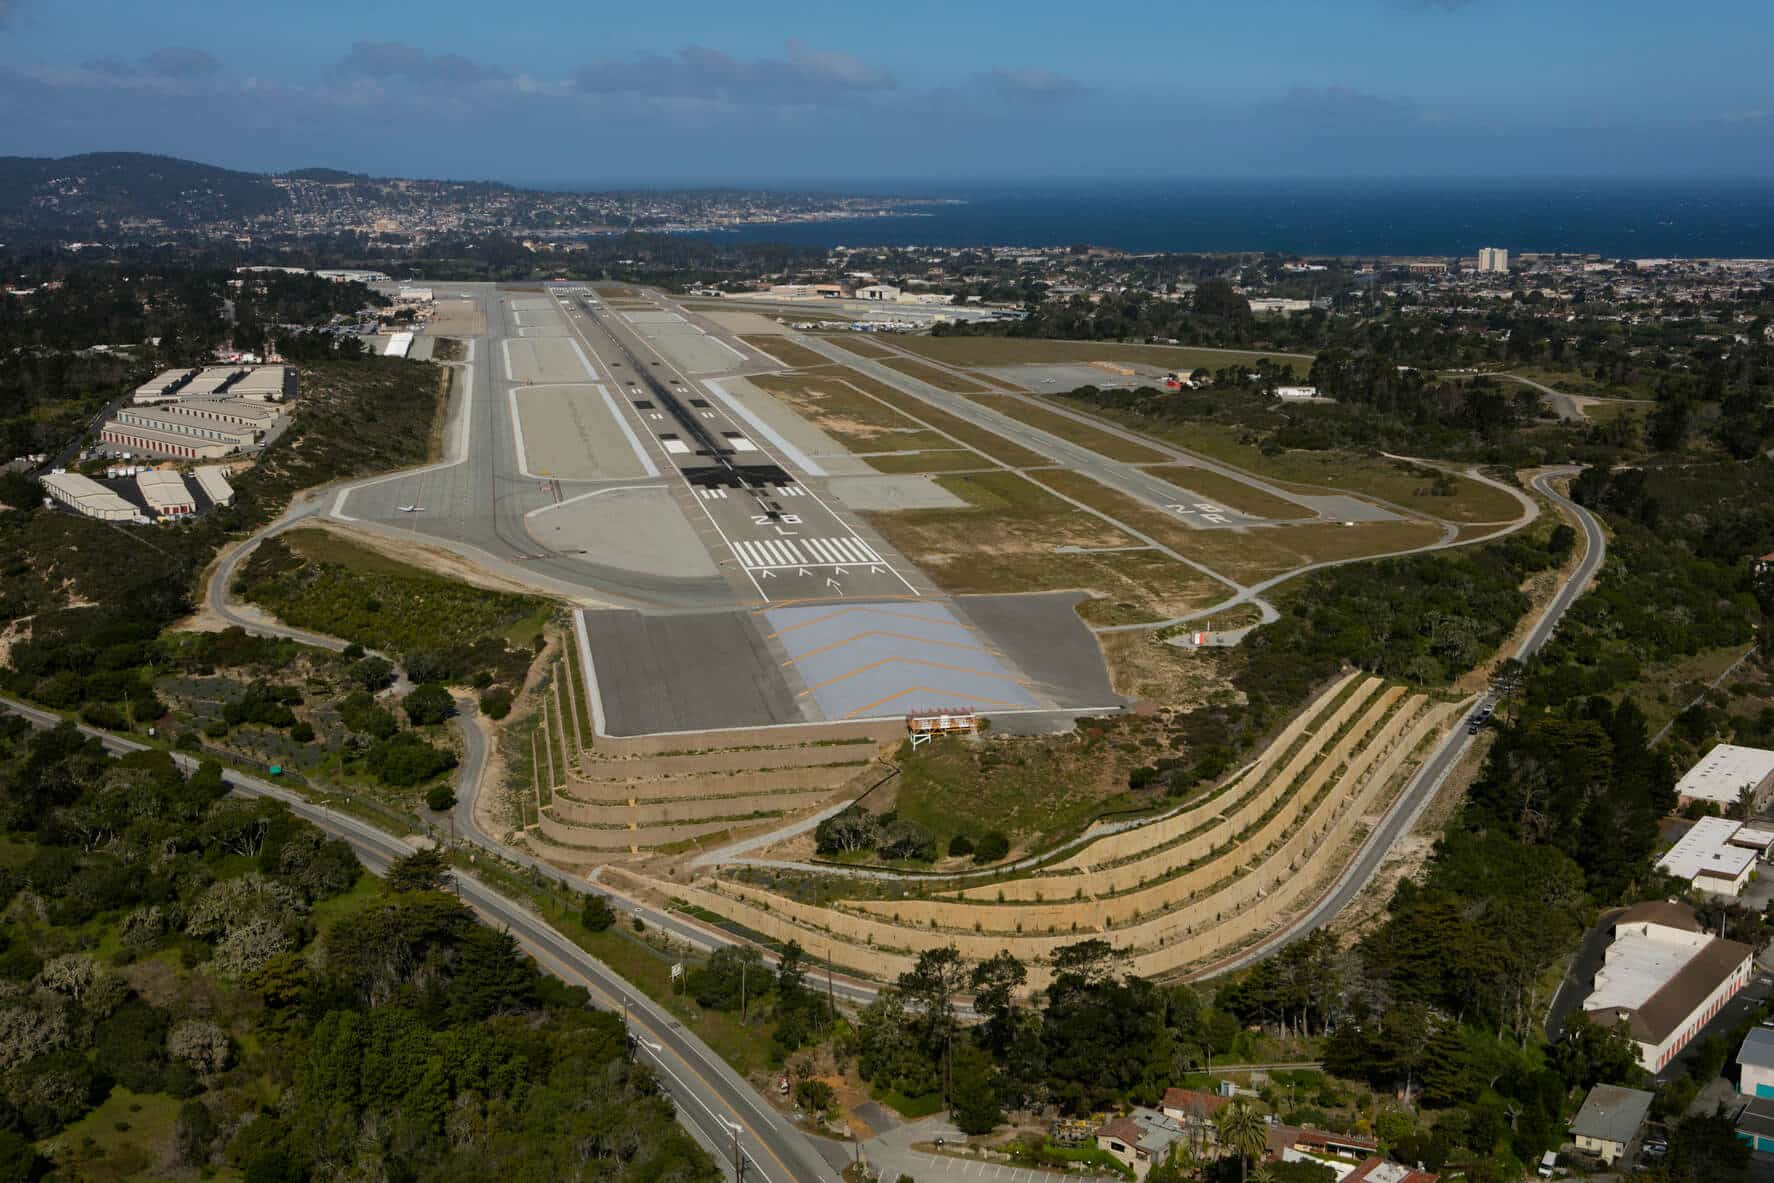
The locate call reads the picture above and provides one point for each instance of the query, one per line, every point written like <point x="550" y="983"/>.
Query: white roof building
<point x="162" y="386"/>
<point x="1709" y="856"/>
<point x="87" y="496"/>
<point x="398" y="345"/>
<point x="210" y="381"/>
<point x="1723" y="773"/>
<point x="266" y="384"/>
<point x="1665" y="978"/>
<point x="213" y="480"/>
<point x="165" y="492"/>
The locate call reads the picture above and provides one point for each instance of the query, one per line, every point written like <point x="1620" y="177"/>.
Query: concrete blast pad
<point x="570" y="434"/>
<point x="868" y="660"/>
<point x="1046" y="638"/>
<point x="635" y="529"/>
<point x="534" y="304"/>
<point x="545" y="359"/>
<point x="884" y="493"/>
<point x="686" y="673"/>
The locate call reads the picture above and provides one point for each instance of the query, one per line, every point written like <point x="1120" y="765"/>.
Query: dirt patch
<point x="1141" y="666"/>
<point x="457" y="318"/>
<point x="15" y="633"/>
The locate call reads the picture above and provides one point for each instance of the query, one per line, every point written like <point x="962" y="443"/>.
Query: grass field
<point x="1103" y="443"/>
<point x="1253" y="555"/>
<point x="1038" y="793"/>
<point x="834" y="402"/>
<point x="953" y="426"/>
<point x="953" y="460"/>
<point x="1010" y="351"/>
<point x="1230" y="493"/>
<point x="785" y="351"/>
<point x="941" y="379"/>
<point x="1608" y="410"/>
<point x="1341" y="472"/>
<point x="1006" y="540"/>
<point x="858" y="344"/>
<point x="316" y="580"/>
<point x="126" y="1137"/>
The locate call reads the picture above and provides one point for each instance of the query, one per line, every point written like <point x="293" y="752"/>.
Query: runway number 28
<point x="787" y="519"/>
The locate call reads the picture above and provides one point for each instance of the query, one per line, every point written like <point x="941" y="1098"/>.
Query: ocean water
<point x="1616" y="219"/>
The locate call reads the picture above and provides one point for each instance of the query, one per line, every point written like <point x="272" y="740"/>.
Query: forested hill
<point x="105" y="189"/>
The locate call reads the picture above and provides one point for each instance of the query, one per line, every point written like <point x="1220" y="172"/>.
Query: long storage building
<point x="155" y="442"/>
<point x="85" y="495"/>
<point x="163" y="387"/>
<point x="266" y="384"/>
<point x="213" y="480"/>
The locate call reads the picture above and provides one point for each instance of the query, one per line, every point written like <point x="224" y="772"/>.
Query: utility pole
<point x="738" y="1151"/>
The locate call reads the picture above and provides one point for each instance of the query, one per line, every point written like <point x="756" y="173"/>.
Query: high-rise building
<point x="1493" y="259"/>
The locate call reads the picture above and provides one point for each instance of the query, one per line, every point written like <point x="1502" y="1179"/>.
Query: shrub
<point x="960" y="845"/>
<point x="302" y="732"/>
<point x="439" y="798"/>
<point x="597" y="914"/>
<point x="373" y="674"/>
<point x="496" y="703"/>
<point x="991" y="848"/>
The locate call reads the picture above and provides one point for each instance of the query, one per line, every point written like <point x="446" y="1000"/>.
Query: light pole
<point x="738" y="1151"/>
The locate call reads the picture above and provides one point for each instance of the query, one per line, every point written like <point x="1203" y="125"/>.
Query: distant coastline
<point x="1624" y="219"/>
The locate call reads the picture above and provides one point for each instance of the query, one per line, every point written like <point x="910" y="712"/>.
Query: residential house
<point x="1378" y="1170"/>
<point x="1139" y="1140"/>
<point x="1609" y="1120"/>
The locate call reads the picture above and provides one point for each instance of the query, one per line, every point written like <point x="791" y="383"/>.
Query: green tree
<point x="1242" y="1130"/>
<point x="427" y="704"/>
<point x="423" y="870"/>
<point x="973" y="1092"/>
<point x="597" y="914"/>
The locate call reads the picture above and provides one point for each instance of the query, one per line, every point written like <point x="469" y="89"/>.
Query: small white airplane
<point x="412" y="509"/>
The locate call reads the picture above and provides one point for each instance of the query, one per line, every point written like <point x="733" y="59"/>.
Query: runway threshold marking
<point x="752" y="572"/>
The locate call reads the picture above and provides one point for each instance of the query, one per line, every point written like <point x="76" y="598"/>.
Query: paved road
<point x="710" y="1096"/>
<point x="1403" y="815"/>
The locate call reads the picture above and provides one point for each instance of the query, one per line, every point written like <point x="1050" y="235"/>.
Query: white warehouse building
<point x="1665" y="978"/>
<point x="1717" y="855"/>
<point x="85" y="495"/>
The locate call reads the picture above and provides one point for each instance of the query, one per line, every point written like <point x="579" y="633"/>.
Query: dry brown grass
<point x="953" y="426"/>
<point x="1103" y="443"/>
<point x="1231" y="493"/>
<point x="1010" y="351"/>
<point x="1249" y="556"/>
<point x="785" y="351"/>
<point x="856" y="343"/>
<point x="830" y="399"/>
<point x="1141" y="666"/>
<point x="941" y="379"/>
<point x="953" y="460"/>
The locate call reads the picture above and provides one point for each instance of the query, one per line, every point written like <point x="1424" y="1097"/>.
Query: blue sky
<point x="690" y="91"/>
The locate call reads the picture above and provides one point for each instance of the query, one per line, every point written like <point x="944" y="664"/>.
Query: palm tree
<point x="1242" y="1130"/>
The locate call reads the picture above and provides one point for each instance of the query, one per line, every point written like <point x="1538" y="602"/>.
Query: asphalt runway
<point x="687" y="673"/>
<point x="571" y="433"/>
<point x="537" y="360"/>
<point x="474" y="502"/>
<point x="1044" y="636"/>
<point x="774" y="531"/>
<point x="684" y="344"/>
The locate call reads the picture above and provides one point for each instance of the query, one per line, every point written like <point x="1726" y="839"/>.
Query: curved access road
<point x="712" y="1100"/>
<point x="1402" y="816"/>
